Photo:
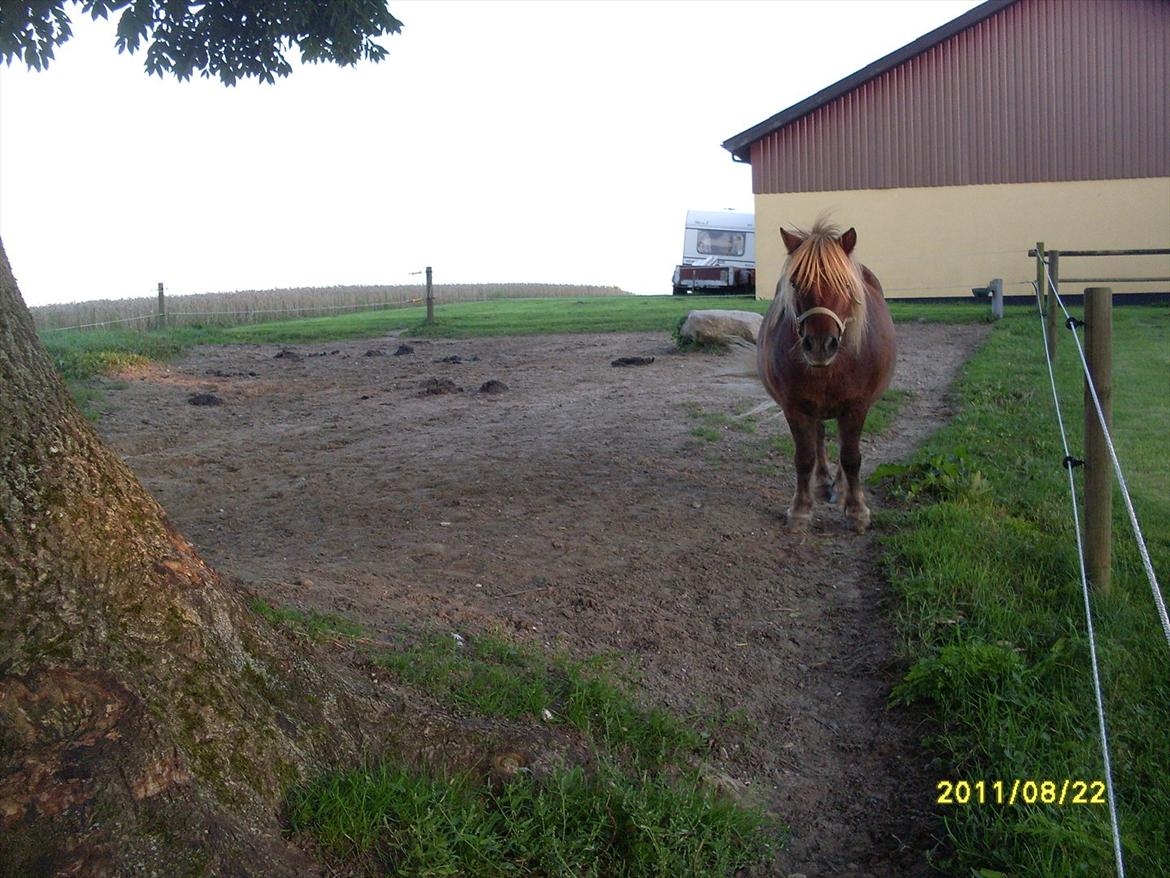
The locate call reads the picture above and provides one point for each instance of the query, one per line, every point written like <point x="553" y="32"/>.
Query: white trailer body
<point x="719" y="253"/>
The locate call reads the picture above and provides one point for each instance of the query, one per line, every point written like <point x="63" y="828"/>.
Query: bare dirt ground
<point x="573" y="507"/>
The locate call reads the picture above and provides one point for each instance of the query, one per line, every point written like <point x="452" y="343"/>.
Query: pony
<point x="826" y="350"/>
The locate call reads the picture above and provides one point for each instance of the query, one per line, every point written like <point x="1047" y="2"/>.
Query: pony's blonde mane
<point x="820" y="264"/>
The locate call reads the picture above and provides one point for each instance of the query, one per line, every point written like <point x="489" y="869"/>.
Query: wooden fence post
<point x="430" y="298"/>
<point x="1098" y="468"/>
<point x="1042" y="287"/>
<point x="1053" y="305"/>
<point x="997" y="298"/>
<point x="162" y="308"/>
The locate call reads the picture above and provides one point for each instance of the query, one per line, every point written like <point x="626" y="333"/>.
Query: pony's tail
<point x="741" y="359"/>
<point x="741" y="363"/>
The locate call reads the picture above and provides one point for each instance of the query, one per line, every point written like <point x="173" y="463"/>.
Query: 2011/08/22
<point x="1027" y="792"/>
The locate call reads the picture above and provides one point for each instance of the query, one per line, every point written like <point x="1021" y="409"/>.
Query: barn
<point x="1017" y="122"/>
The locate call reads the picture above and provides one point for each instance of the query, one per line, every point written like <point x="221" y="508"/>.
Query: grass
<point x="494" y="676"/>
<point x="318" y="626"/>
<point x="982" y="556"/>
<point x="87" y="399"/>
<point x="642" y="810"/>
<point x="600" y="823"/>
<point x="716" y="421"/>
<point x="83" y="354"/>
<point x="712" y="426"/>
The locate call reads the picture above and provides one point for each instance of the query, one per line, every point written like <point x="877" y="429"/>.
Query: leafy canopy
<point x="224" y="38"/>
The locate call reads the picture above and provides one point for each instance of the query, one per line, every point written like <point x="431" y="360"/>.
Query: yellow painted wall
<point x="943" y="241"/>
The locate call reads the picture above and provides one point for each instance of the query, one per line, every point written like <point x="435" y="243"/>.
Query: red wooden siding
<point x="1043" y="90"/>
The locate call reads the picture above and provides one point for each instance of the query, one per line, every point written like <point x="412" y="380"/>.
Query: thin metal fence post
<point x="1098" y="469"/>
<point x="430" y="298"/>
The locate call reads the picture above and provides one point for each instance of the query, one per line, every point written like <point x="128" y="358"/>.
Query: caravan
<point x="719" y="254"/>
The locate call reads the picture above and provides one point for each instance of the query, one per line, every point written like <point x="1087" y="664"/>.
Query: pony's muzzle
<point x="819" y="350"/>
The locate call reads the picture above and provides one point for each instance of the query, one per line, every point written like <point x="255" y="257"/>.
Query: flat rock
<point x="720" y="327"/>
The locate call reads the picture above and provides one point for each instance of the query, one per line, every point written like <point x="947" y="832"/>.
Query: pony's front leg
<point x="804" y="434"/>
<point x="856" y="510"/>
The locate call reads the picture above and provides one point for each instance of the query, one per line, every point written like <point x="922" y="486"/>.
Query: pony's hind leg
<point x="838" y="488"/>
<point x="856" y="510"/>
<point x="804" y="435"/>
<point x="824" y="478"/>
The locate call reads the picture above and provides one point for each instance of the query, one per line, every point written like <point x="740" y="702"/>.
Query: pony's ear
<point x="849" y="241"/>
<point x="791" y="241"/>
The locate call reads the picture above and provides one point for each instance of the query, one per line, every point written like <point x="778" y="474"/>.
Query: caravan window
<point x="716" y="243"/>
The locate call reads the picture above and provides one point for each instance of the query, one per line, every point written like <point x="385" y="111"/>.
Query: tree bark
<point x="148" y="722"/>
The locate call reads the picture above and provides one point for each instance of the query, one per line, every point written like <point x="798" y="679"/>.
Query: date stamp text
<point x="1020" y="792"/>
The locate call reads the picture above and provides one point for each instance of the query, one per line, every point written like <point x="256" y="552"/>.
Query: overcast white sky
<point x="556" y="142"/>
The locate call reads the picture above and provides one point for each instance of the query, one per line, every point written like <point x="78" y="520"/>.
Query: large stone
<point x="720" y="327"/>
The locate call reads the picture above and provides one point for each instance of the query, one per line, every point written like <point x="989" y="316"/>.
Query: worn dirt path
<point x="575" y="507"/>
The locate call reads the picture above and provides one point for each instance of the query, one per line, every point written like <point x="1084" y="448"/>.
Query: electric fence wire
<point x="171" y="315"/>
<point x="103" y="323"/>
<point x="1072" y="491"/>
<point x="175" y="314"/>
<point x="404" y="304"/>
<point x="1159" y="601"/>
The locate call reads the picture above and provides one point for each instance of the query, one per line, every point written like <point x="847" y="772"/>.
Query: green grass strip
<point x="494" y="676"/>
<point x="318" y="626"/>
<point x="602" y="823"/>
<point x="983" y="558"/>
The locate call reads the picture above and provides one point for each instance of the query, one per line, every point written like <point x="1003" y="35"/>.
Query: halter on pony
<point x="841" y="324"/>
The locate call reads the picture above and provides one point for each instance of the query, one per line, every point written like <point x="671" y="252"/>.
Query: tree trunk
<point x="148" y="722"/>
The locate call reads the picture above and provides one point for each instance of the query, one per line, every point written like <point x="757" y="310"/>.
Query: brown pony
<point x="826" y="350"/>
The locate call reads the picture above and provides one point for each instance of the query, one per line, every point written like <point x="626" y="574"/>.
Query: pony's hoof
<point x="799" y="521"/>
<point x="858" y="520"/>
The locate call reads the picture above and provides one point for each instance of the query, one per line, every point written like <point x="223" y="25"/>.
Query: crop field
<point x="488" y="513"/>
<point x="262" y="306"/>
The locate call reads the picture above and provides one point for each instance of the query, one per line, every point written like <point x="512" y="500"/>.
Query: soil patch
<point x="439" y="387"/>
<point x="578" y="509"/>
<point x="493" y="386"/>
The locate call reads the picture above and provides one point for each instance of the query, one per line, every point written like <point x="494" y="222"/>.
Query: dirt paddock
<point x="573" y="505"/>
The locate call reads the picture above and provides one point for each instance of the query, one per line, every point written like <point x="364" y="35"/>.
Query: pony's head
<point x="822" y="286"/>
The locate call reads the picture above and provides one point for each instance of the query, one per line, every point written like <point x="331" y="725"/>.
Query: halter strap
<point x="818" y="310"/>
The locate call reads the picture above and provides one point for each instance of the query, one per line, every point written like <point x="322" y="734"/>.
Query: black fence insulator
<point x="1073" y="322"/>
<point x="1069" y="461"/>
